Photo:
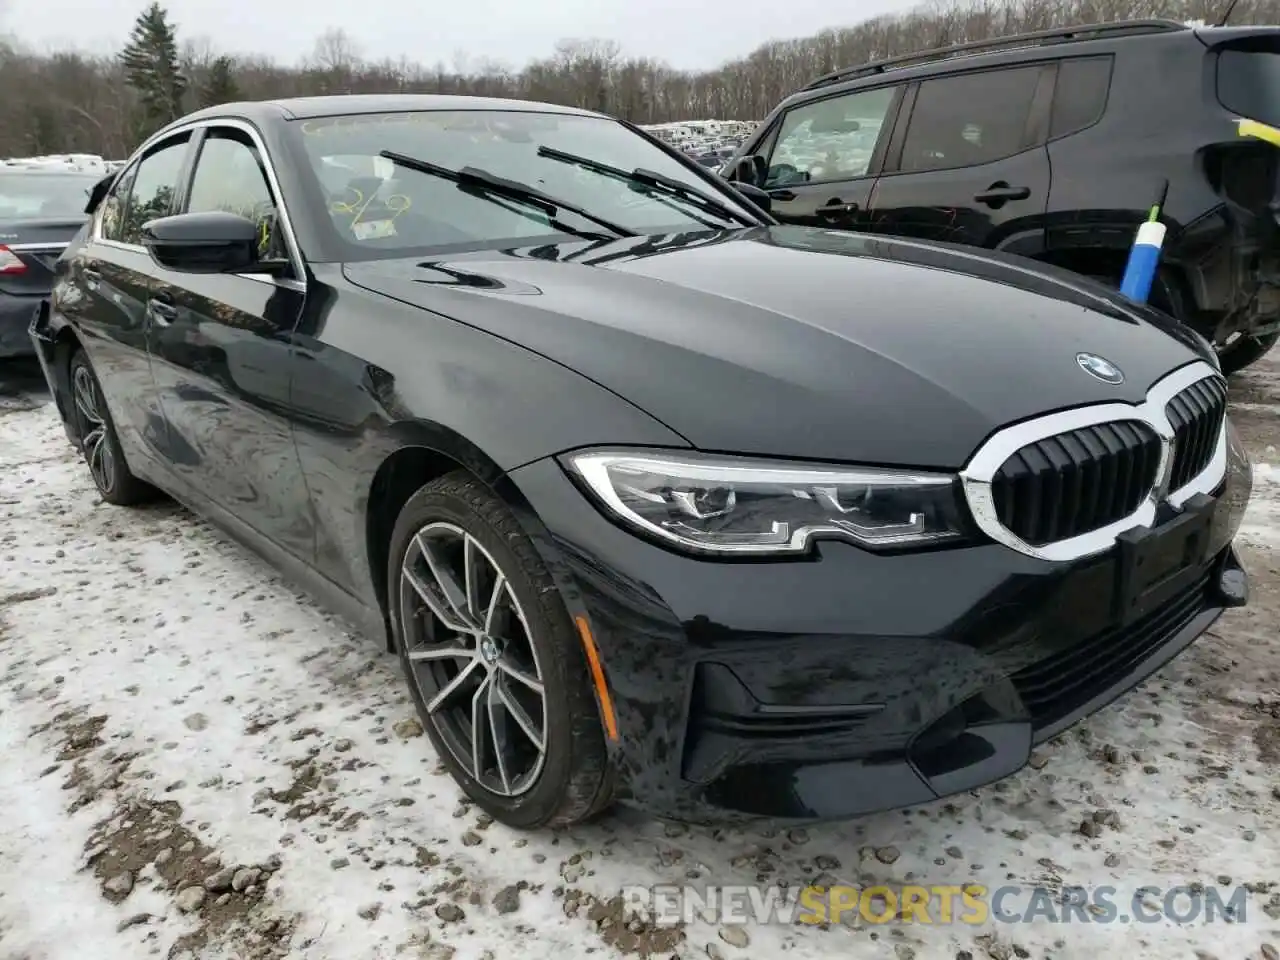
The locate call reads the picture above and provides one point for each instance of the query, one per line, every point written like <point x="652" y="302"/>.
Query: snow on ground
<point x="197" y="761"/>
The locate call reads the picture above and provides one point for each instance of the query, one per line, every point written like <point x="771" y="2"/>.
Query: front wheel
<point x="1242" y="351"/>
<point x="494" y="664"/>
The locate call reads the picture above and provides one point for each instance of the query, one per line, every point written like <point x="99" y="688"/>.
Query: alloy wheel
<point x="472" y="658"/>
<point x="94" y="439"/>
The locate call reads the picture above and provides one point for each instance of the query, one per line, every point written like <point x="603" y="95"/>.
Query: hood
<point x="805" y="343"/>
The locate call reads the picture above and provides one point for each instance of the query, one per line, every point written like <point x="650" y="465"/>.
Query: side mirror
<point x="757" y="196"/>
<point x="752" y="169"/>
<point x="212" y="242"/>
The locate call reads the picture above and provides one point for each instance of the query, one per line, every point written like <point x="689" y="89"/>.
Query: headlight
<point x="731" y="505"/>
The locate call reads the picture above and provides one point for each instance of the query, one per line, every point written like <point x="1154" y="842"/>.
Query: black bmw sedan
<point x="655" y="500"/>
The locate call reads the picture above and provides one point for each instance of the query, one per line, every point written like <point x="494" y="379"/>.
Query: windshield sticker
<point x="391" y="207"/>
<point x="373" y="229"/>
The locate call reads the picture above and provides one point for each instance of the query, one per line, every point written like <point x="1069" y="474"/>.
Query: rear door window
<point x="1249" y="84"/>
<point x="144" y="192"/>
<point x="969" y="120"/>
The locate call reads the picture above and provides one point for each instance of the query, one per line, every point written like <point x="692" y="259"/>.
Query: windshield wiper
<point x="659" y="182"/>
<point x="484" y="182"/>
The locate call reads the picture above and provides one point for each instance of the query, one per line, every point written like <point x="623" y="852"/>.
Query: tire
<point x="98" y="440"/>
<point x="529" y="631"/>
<point x="1243" y="351"/>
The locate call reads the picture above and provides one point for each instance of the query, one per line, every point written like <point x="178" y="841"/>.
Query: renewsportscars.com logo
<point x="938" y="904"/>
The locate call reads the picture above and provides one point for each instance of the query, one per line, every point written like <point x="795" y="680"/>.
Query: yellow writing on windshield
<point x="393" y="206"/>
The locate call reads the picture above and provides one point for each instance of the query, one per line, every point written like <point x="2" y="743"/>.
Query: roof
<point x="302" y="108"/>
<point x="1082" y="38"/>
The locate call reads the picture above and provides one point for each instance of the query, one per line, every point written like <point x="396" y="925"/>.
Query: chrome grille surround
<point x="986" y="462"/>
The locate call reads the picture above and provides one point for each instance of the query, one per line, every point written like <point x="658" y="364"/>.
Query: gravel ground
<point x="197" y="761"/>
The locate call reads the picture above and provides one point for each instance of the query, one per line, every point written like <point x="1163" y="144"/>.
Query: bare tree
<point x="67" y="101"/>
<point x="335" y="52"/>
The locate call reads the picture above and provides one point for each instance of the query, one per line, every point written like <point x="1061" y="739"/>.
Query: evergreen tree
<point x="220" y="85"/>
<point x="152" y="68"/>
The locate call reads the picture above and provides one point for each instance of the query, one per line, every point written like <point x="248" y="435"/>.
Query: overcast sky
<point x="687" y="33"/>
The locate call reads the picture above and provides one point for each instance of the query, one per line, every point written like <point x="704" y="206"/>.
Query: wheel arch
<point x="65" y="344"/>
<point x="423" y="452"/>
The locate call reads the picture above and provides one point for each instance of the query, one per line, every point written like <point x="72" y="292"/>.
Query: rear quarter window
<point x="1080" y="95"/>
<point x="1249" y="84"/>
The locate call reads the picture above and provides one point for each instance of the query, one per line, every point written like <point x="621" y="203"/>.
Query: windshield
<point x="382" y="209"/>
<point x="43" y="194"/>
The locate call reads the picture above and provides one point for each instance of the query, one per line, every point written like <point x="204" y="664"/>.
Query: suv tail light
<point x="10" y="262"/>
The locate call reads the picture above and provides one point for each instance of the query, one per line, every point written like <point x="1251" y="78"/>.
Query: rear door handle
<point x="836" y="208"/>
<point x="1000" y="192"/>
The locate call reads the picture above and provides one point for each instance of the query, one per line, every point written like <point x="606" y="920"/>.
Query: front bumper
<point x="851" y="683"/>
<point x="15" y="319"/>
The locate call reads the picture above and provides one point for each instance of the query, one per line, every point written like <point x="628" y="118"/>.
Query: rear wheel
<point x="98" y="440"/>
<point x="494" y="664"/>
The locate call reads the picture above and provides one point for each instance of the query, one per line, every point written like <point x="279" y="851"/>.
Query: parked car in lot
<point x="1054" y="145"/>
<point x="40" y="211"/>
<point x="657" y="500"/>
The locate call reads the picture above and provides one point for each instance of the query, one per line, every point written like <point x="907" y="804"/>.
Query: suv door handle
<point x="836" y="208"/>
<point x="1000" y="192"/>
<point x="162" y="310"/>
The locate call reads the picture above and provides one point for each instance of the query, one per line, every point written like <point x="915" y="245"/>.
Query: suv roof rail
<point x="1091" y="31"/>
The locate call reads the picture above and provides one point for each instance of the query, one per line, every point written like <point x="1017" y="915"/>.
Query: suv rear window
<point x="1249" y="84"/>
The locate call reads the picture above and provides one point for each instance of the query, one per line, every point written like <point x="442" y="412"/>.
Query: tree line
<point x="66" y="102"/>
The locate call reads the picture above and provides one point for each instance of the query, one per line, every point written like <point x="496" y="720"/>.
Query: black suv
<point x="1053" y="145"/>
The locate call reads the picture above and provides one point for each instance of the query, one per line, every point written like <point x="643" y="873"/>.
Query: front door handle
<point x="162" y="311"/>
<point x="783" y="195"/>
<point x="836" y="208"/>
<point x="92" y="278"/>
<point x="1000" y="193"/>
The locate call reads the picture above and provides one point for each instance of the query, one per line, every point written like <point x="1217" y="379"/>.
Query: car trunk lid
<point x="29" y="249"/>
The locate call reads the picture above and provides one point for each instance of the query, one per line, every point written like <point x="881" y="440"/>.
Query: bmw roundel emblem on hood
<point x="1100" y="368"/>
